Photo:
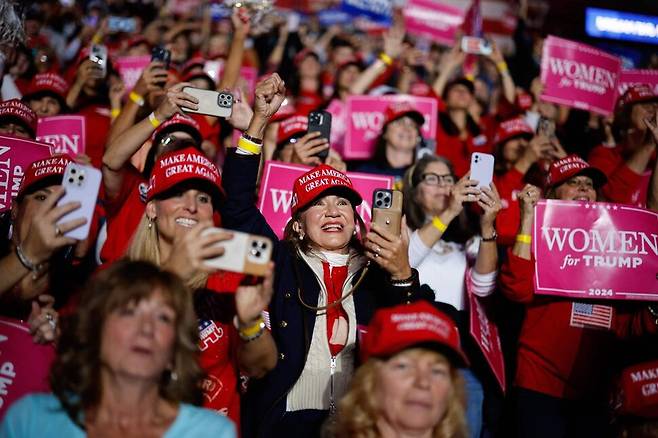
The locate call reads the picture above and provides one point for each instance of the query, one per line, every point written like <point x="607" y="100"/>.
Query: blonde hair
<point x="358" y="410"/>
<point x="145" y="247"/>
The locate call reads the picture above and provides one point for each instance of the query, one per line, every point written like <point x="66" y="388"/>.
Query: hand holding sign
<point x="528" y="199"/>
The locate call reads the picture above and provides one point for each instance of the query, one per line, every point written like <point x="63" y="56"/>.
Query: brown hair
<point x="358" y="409"/>
<point x="75" y="376"/>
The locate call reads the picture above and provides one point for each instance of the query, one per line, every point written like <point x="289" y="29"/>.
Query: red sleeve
<point x="516" y="278"/>
<point x="131" y="178"/>
<point x="634" y="320"/>
<point x="622" y="181"/>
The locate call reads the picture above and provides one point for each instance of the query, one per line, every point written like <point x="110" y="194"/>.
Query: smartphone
<point x="245" y="253"/>
<point x="475" y="45"/>
<point x="387" y="209"/>
<point x="482" y="167"/>
<point x="211" y="103"/>
<point x="98" y="55"/>
<point x="546" y="127"/>
<point x="121" y="24"/>
<point x="161" y="54"/>
<point x="320" y="121"/>
<point x="82" y="184"/>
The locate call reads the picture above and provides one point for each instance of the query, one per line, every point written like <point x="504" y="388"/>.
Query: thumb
<point x="404" y="231"/>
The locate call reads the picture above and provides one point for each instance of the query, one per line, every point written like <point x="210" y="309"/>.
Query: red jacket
<point x="509" y="184"/>
<point x="554" y="357"/>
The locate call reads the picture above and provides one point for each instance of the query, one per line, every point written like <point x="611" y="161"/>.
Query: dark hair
<point x="451" y="129"/>
<point x="460" y="229"/>
<point x="75" y="376"/>
<point x="379" y="157"/>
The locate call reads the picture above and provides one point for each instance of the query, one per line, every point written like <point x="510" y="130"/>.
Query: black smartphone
<point x="161" y="54"/>
<point x="320" y="121"/>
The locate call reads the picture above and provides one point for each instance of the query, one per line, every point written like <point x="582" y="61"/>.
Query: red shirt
<point x="554" y="357"/>
<point x="509" y="184"/>
<point x="97" y="128"/>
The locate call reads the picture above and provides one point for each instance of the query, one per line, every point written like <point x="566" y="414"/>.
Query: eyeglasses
<point x="433" y="179"/>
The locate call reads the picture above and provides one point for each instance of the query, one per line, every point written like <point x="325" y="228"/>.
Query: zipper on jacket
<point x="332" y="404"/>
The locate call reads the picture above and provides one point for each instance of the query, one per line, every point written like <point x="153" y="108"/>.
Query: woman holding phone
<point x="329" y="282"/>
<point x="182" y="202"/>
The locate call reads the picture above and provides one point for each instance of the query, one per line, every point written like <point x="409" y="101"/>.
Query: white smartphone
<point x="475" y="45"/>
<point x="211" y="103"/>
<point x="245" y="253"/>
<point x="482" y="167"/>
<point x="82" y="184"/>
<point x="98" y="54"/>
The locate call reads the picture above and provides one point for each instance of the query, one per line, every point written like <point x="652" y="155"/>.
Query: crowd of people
<point x="353" y="330"/>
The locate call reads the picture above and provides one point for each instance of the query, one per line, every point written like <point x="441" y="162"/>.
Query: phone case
<point x="211" y="103"/>
<point x="475" y="45"/>
<point x="482" y="167"/>
<point x="82" y="184"/>
<point x="98" y="54"/>
<point x="245" y="253"/>
<point x="320" y="121"/>
<point x="161" y="54"/>
<point x="387" y="209"/>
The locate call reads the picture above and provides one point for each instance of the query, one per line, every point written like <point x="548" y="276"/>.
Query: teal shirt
<point x="41" y="415"/>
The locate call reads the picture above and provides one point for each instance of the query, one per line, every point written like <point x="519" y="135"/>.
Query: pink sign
<point x="24" y="365"/>
<point x="246" y="81"/>
<point x="485" y="334"/>
<point x="637" y="77"/>
<point x="275" y="193"/>
<point x="595" y="250"/>
<point x="365" y="116"/>
<point x="130" y="68"/>
<point x="433" y="19"/>
<point x="65" y="133"/>
<point x="579" y="76"/>
<point x="15" y="155"/>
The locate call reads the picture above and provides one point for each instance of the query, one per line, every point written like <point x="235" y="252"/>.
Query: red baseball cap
<point x="638" y="390"/>
<point x="178" y="123"/>
<point x="524" y="101"/>
<point x="511" y="128"/>
<point x="634" y="94"/>
<point x="317" y="182"/>
<point x="44" y="172"/>
<point x="290" y="127"/>
<point x="48" y="83"/>
<point x="299" y="57"/>
<point x="16" y="110"/>
<point x="394" y="329"/>
<point x="397" y="110"/>
<point x="570" y="166"/>
<point x="183" y="165"/>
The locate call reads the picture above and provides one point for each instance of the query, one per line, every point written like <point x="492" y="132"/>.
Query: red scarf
<point x="337" y="321"/>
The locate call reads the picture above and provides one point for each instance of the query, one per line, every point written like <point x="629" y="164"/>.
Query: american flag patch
<point x="591" y="315"/>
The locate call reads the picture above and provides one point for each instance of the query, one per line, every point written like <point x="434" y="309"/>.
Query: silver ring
<point x="377" y="249"/>
<point x="58" y="232"/>
<point x="51" y="321"/>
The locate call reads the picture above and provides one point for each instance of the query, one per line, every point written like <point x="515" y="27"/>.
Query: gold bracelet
<point x="155" y="122"/>
<point x="249" y="146"/>
<point x="438" y="224"/>
<point x="386" y="59"/>
<point x="502" y="67"/>
<point x="115" y="113"/>
<point x="136" y="98"/>
<point x="524" y="238"/>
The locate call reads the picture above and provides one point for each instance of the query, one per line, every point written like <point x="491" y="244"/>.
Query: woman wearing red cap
<point x="328" y="283"/>
<point x="561" y="366"/>
<point x="183" y="196"/>
<point x="409" y="383"/>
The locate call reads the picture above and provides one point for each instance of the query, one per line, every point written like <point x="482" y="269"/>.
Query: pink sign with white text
<point x="638" y="77"/>
<point x="24" y="365"/>
<point x="246" y="80"/>
<point x="66" y="134"/>
<point x="365" y="115"/>
<point x="130" y="68"/>
<point x="595" y="250"/>
<point x="433" y="19"/>
<point x="16" y="154"/>
<point x="579" y="76"/>
<point x="276" y="184"/>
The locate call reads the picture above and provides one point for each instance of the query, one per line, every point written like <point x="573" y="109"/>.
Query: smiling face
<point x="45" y="106"/>
<point x="433" y="193"/>
<point x="402" y="133"/>
<point x="577" y="188"/>
<point x="414" y="388"/>
<point x="329" y="223"/>
<point x="138" y="338"/>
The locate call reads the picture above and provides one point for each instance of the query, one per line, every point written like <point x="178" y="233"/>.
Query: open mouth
<point x="581" y="198"/>
<point x="332" y="228"/>
<point x="186" y="222"/>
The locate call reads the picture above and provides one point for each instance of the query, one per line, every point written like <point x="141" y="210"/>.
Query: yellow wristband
<point x="438" y="224"/>
<point x="96" y="39"/>
<point x="249" y="146"/>
<point x="139" y="100"/>
<point x="155" y="122"/>
<point x="115" y="113"/>
<point x="250" y="331"/>
<point x="386" y="59"/>
<point x="524" y="238"/>
<point x="502" y="66"/>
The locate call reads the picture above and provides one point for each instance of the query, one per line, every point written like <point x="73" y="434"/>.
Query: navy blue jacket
<point x="291" y="323"/>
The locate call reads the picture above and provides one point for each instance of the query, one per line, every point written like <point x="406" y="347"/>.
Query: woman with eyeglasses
<point x="449" y="250"/>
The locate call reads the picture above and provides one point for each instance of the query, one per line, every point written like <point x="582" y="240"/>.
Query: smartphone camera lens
<point x="73" y="171"/>
<point x="80" y="177"/>
<point x="378" y="203"/>
<point x="71" y="180"/>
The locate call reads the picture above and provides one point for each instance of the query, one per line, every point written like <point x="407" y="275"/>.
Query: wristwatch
<point x="493" y="237"/>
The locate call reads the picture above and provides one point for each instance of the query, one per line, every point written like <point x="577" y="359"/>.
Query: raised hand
<point x="250" y="301"/>
<point x="389" y="251"/>
<point x="174" y="100"/>
<point x="306" y="148"/>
